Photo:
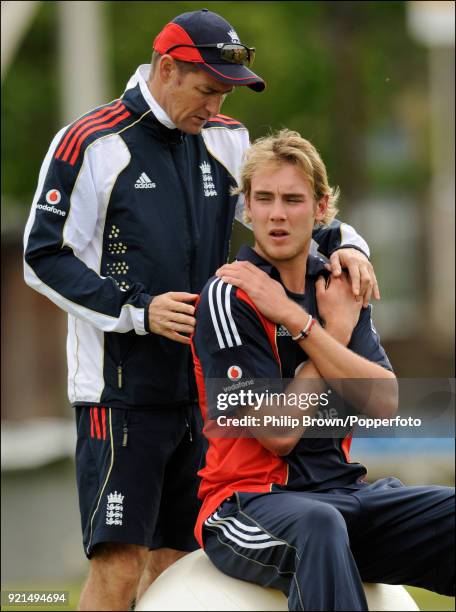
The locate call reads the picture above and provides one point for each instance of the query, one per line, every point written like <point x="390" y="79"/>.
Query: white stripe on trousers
<point x="223" y="525"/>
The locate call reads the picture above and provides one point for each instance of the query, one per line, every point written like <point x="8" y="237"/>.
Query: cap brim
<point x="234" y="74"/>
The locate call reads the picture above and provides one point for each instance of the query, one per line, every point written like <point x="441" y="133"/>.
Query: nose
<point x="214" y="104"/>
<point x="277" y="211"/>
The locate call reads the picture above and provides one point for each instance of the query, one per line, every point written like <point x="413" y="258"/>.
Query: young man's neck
<point x="292" y="271"/>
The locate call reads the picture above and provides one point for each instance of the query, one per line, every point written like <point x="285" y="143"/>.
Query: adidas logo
<point x="144" y="182"/>
<point x="282" y="331"/>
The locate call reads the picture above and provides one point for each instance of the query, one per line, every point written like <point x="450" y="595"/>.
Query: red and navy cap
<point x="205" y="28"/>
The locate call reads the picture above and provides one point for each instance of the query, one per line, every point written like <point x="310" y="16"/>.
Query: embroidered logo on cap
<point x="234" y="37"/>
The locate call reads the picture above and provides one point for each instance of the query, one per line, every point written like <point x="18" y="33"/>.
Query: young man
<point x="132" y="214"/>
<point x="280" y="510"/>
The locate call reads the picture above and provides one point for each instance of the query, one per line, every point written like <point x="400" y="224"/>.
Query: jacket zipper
<point x="120" y="377"/>
<point x="189" y="429"/>
<point x="125" y="430"/>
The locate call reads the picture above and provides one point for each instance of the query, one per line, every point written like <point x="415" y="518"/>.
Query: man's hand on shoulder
<point x="363" y="280"/>
<point x="267" y="294"/>
<point x="171" y="316"/>
<point x="338" y="307"/>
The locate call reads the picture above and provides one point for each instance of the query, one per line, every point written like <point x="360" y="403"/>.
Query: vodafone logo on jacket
<point x="234" y="372"/>
<point x="53" y="196"/>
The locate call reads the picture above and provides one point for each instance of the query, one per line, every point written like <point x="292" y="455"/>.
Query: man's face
<point x="192" y="98"/>
<point x="283" y="212"/>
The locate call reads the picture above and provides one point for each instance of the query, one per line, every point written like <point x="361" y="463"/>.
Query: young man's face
<point x="192" y="98"/>
<point x="283" y="211"/>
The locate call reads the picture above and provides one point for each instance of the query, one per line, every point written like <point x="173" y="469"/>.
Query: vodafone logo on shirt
<point x="53" y="196"/>
<point x="234" y="372"/>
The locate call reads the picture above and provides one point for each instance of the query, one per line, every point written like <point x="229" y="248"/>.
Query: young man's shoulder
<point x="219" y="299"/>
<point x="225" y="316"/>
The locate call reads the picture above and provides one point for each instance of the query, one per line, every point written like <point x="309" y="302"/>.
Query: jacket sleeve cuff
<point x="146" y="316"/>
<point x="354" y="246"/>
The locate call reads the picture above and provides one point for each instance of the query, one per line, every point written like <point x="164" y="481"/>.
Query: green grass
<point x="424" y="599"/>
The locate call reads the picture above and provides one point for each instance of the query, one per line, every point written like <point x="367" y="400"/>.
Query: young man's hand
<point x="337" y="306"/>
<point x="363" y="280"/>
<point x="267" y="294"/>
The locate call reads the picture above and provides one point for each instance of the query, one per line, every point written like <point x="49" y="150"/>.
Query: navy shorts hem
<point x="137" y="476"/>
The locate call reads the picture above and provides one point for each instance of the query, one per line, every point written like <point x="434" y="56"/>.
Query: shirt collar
<point x="315" y="265"/>
<point x="140" y="78"/>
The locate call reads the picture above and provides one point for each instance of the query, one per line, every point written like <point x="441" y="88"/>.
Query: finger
<point x="334" y="261"/>
<point x="229" y="267"/>
<point x="183" y="319"/>
<point x="182" y="296"/>
<point x="328" y="267"/>
<point x="366" y="283"/>
<point x="376" y="290"/>
<point x="179" y="327"/>
<point x="238" y="268"/>
<point x="367" y="297"/>
<point x="234" y="280"/>
<point x="178" y="338"/>
<point x="174" y="307"/>
<point x="320" y="285"/>
<point x="353" y="271"/>
<point x="249" y="266"/>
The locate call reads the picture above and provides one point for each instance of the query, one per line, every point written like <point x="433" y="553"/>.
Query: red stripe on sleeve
<point x="97" y="423"/>
<point x="103" y="111"/>
<point x="83" y="128"/>
<point x="216" y="119"/>
<point x="103" y="422"/>
<point x="91" y="423"/>
<point x="95" y="129"/>
<point x="225" y="119"/>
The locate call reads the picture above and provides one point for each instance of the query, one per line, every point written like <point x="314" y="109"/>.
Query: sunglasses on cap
<point x="228" y="52"/>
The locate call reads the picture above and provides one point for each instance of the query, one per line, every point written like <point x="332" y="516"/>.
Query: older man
<point x="133" y="212"/>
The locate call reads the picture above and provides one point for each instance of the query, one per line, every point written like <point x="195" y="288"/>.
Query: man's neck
<point x="292" y="271"/>
<point x="155" y="91"/>
<point x="157" y="103"/>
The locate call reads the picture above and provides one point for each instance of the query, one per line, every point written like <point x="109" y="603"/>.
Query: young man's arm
<point x="331" y="358"/>
<point x="233" y="346"/>
<point x="233" y="349"/>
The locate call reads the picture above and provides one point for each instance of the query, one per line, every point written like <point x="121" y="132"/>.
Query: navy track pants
<point x="318" y="547"/>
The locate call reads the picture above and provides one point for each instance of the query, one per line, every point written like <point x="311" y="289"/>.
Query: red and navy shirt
<point x="233" y="341"/>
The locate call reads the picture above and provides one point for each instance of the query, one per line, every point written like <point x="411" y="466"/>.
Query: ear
<point x="167" y="68"/>
<point x="247" y="217"/>
<point x="322" y="207"/>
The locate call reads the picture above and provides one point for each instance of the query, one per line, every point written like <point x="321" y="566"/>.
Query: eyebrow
<point x="212" y="90"/>
<point x="290" y="194"/>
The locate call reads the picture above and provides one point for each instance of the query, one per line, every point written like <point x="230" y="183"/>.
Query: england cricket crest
<point x="208" y="181"/>
<point x="114" y="509"/>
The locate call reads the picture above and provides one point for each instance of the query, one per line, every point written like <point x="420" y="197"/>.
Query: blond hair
<point x="288" y="147"/>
